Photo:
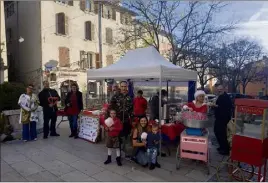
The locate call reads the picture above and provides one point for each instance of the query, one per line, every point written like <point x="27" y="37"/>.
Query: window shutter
<point x="64" y="57"/>
<point x="113" y="14"/>
<point x="87" y="30"/>
<point x="70" y="3"/>
<point x="109" y="36"/>
<point x="96" y="8"/>
<point x="57" y="23"/>
<point x="92" y="31"/>
<point x="66" y="24"/>
<point x="61" y="56"/>
<point x="103" y="11"/>
<point x="67" y="61"/>
<point x="97" y="61"/>
<point x="81" y="59"/>
<point x="92" y="5"/>
<point x="82" y="5"/>
<point x="90" y="56"/>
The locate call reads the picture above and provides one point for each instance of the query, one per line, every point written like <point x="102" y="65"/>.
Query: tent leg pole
<point x="160" y="111"/>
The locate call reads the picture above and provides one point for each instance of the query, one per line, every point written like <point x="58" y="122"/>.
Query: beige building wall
<point x="4" y="75"/>
<point x="74" y="40"/>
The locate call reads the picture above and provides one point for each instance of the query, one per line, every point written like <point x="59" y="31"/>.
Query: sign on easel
<point x="89" y="128"/>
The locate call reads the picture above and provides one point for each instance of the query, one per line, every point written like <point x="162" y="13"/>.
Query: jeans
<point x="152" y="155"/>
<point x="73" y="123"/>
<point x="29" y="131"/>
<point x="50" y="116"/>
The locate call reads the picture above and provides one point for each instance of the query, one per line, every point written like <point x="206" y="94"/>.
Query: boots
<point x="157" y="165"/>
<point x="109" y="160"/>
<point x="75" y="134"/>
<point x="152" y="166"/>
<point x="72" y="134"/>
<point x="118" y="160"/>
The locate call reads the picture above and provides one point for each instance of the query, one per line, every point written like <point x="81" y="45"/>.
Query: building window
<point x="86" y="60"/>
<point x="89" y="31"/>
<point x="109" y="60"/>
<point x="66" y="2"/>
<point x="86" y="5"/>
<point x="113" y="14"/>
<point x="9" y="35"/>
<point x="124" y="19"/>
<point x="64" y="57"/>
<point x="53" y="77"/>
<point x="61" y="24"/>
<point x="9" y="8"/>
<point x="109" y="36"/>
<point x="97" y="61"/>
<point x="96" y="8"/>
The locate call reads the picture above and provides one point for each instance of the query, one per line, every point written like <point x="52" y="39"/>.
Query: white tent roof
<point x="141" y="64"/>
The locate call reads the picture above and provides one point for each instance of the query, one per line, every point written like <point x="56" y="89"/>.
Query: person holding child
<point x="139" y="143"/>
<point x="28" y="115"/>
<point x="113" y="126"/>
<point x="153" y="139"/>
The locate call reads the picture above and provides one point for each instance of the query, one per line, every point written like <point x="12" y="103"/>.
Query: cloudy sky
<point x="252" y="17"/>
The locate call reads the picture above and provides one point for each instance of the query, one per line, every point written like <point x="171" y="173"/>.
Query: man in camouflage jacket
<point x="123" y="105"/>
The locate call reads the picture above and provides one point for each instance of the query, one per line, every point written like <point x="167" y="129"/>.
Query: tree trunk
<point x="244" y="88"/>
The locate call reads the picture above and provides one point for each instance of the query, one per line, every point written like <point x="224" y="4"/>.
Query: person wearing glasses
<point x="28" y="115"/>
<point x="48" y="100"/>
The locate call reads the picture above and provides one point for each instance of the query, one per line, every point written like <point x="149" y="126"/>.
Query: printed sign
<point x="194" y="140"/>
<point x="250" y="110"/>
<point x="89" y="128"/>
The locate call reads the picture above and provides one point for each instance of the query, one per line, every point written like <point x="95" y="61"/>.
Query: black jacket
<point x="224" y="109"/>
<point x="44" y="99"/>
<point x="79" y="97"/>
<point x="154" y="106"/>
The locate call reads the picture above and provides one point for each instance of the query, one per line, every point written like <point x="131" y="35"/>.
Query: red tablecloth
<point x="172" y="130"/>
<point x="63" y="113"/>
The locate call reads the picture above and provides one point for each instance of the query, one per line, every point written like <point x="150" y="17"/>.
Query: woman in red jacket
<point x="113" y="126"/>
<point x="198" y="105"/>
<point x="140" y="105"/>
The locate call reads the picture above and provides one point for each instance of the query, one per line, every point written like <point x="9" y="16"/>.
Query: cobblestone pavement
<point x="65" y="159"/>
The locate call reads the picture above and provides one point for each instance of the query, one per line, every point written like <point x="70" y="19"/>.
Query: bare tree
<point x="237" y="63"/>
<point x="188" y="26"/>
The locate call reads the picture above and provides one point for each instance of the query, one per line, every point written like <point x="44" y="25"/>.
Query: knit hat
<point x="199" y="92"/>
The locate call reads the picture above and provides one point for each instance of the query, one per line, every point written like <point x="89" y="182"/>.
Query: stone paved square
<point x="67" y="159"/>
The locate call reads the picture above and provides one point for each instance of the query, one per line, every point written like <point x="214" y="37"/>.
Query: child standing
<point x="113" y="126"/>
<point x="153" y="139"/>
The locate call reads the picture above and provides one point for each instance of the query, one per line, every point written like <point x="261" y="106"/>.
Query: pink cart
<point x="195" y="147"/>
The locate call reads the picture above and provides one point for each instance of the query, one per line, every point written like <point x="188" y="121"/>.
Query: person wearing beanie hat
<point x="198" y="105"/>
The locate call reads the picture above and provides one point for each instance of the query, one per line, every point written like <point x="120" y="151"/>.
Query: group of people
<point x="48" y="99"/>
<point x="123" y="108"/>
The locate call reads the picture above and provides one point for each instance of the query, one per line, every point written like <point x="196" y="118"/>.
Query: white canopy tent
<point x="144" y="64"/>
<point x="141" y="64"/>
